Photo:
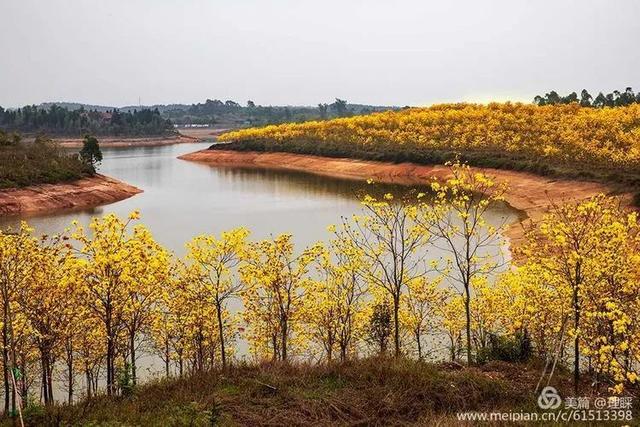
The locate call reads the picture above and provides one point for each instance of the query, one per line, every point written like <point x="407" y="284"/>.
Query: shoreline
<point x="118" y="142"/>
<point x="82" y="193"/>
<point x="184" y="136"/>
<point x="528" y="193"/>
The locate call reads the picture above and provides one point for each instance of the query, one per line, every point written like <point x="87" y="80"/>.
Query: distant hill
<point x="231" y="114"/>
<point x="71" y="119"/>
<point x="72" y="106"/>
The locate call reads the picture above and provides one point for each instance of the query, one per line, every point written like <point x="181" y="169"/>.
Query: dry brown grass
<point x="367" y="392"/>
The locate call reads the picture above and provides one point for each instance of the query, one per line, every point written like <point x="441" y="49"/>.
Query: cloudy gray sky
<point x="402" y="52"/>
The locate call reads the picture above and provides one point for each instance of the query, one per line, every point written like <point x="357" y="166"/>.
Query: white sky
<point x="401" y="52"/>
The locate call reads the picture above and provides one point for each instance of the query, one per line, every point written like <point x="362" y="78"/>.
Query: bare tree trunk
<point x="45" y="382"/>
<point x="132" y="344"/>
<point x="89" y="382"/>
<point x="223" y="355"/>
<point x="576" y="319"/>
<point x="50" y="378"/>
<point x="396" y="325"/>
<point x="576" y="343"/>
<point x="285" y="333"/>
<point x="5" y="362"/>
<point x="70" y="377"/>
<point x="467" y="308"/>
<point x="166" y="357"/>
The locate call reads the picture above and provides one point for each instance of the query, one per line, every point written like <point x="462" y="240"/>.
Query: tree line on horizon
<point x="217" y="112"/>
<point x="613" y="99"/>
<point x="56" y="120"/>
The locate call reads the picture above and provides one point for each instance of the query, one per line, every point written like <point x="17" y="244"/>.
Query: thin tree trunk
<point x="110" y="367"/>
<point x="343" y="352"/>
<point x="13" y="381"/>
<point x="50" y="377"/>
<point x="89" y="382"/>
<point x="5" y="362"/>
<point x="223" y="354"/>
<point x="576" y="318"/>
<point x="396" y="325"/>
<point x="274" y="343"/>
<point x="285" y="332"/>
<point x="166" y="357"/>
<point x="132" y="343"/>
<point x="467" y="308"/>
<point x="70" y="377"/>
<point x="576" y="343"/>
<point x="45" y="382"/>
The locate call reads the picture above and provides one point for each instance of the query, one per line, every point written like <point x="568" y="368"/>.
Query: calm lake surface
<point x="183" y="199"/>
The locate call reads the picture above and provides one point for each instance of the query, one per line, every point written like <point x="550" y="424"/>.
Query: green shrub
<point x="506" y="348"/>
<point x="39" y="162"/>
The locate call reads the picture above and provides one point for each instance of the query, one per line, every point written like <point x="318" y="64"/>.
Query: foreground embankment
<point x="529" y="193"/>
<point x="360" y="392"/>
<point x="82" y="193"/>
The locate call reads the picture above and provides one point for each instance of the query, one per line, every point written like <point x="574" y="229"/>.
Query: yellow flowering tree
<point x="214" y="261"/>
<point x="275" y="279"/>
<point x="583" y="252"/>
<point x="391" y="247"/>
<point x="420" y="309"/>
<point x="456" y="218"/>
<point x="106" y="269"/>
<point x="334" y="300"/>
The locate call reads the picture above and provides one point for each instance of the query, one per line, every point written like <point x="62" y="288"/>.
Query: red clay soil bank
<point x="527" y="192"/>
<point x="82" y="193"/>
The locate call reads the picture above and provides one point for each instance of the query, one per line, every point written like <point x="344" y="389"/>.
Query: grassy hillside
<point x="555" y="139"/>
<point x="364" y="392"/>
<point x="38" y="162"/>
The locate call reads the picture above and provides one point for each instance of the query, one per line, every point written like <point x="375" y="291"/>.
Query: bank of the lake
<point x="82" y="193"/>
<point x="182" y="136"/>
<point x="529" y="193"/>
<point x="120" y="142"/>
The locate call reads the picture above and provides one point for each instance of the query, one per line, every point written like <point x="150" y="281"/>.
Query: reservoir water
<point x="182" y="199"/>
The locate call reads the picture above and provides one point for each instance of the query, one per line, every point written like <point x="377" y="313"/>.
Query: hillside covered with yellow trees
<point x="565" y="139"/>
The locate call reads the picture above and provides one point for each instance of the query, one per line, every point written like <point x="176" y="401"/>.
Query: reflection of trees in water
<point x="306" y="183"/>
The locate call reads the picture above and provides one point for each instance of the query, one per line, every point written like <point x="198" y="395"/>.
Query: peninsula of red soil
<point x="529" y="193"/>
<point x="83" y="193"/>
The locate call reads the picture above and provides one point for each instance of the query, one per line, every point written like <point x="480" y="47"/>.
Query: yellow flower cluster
<point x="561" y="133"/>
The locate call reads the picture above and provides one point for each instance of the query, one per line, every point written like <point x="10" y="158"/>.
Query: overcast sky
<point x="400" y="52"/>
